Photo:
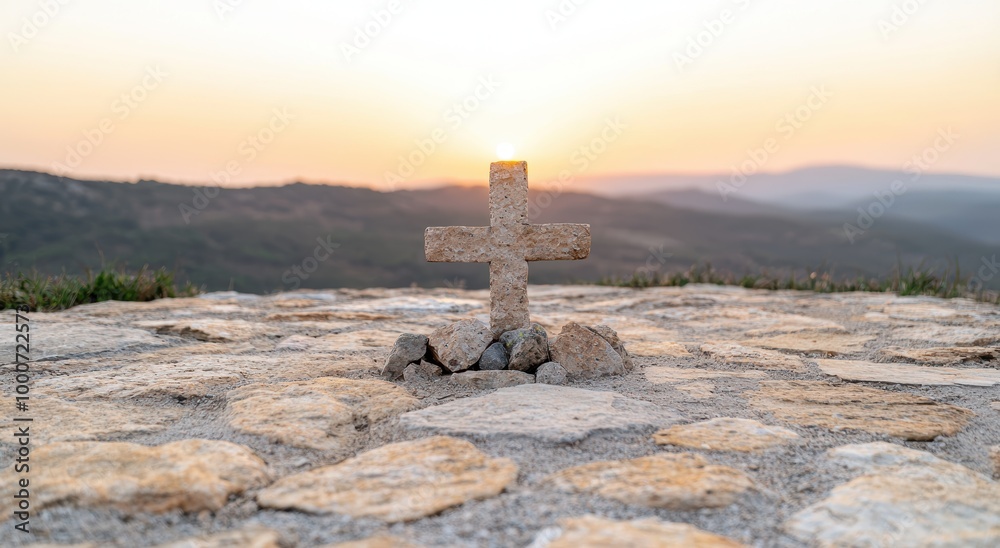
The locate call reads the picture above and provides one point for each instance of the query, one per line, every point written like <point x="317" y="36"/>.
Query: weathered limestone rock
<point x="89" y="421"/>
<point x="323" y="414"/>
<point x="181" y="381"/>
<point x="956" y="335"/>
<point x="794" y="323"/>
<point x="699" y="390"/>
<point x="585" y="354"/>
<point x="421" y="371"/>
<point x="494" y="358"/>
<point x="409" y="348"/>
<point x="816" y="403"/>
<point x="729" y="352"/>
<point x="459" y="345"/>
<point x="850" y="370"/>
<point x="190" y="475"/>
<point x="597" y="532"/>
<point x="249" y="537"/>
<point x="905" y="498"/>
<point x="657" y="348"/>
<point x="677" y="481"/>
<point x="491" y="380"/>
<point x="666" y="374"/>
<point x="527" y="348"/>
<point x="360" y="340"/>
<point x="919" y="312"/>
<point x="208" y="329"/>
<point x="551" y="373"/>
<point x="831" y="344"/>
<point x="995" y="455"/>
<point x="59" y="340"/>
<point x="942" y="355"/>
<point x="697" y="383"/>
<point x="725" y="434"/>
<point x="570" y="414"/>
<point x="397" y="482"/>
<point x="378" y="541"/>
<point x="611" y="336"/>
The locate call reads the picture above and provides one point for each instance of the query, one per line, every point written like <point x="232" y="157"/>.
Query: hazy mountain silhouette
<point x="250" y="239"/>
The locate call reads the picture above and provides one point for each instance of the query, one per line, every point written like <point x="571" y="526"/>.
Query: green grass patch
<point x="908" y="281"/>
<point x="46" y="293"/>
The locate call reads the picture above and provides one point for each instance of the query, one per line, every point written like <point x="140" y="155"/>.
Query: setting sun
<point x="505" y="151"/>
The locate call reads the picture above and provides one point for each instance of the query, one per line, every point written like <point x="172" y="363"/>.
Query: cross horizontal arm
<point x="556" y="242"/>
<point x="457" y="244"/>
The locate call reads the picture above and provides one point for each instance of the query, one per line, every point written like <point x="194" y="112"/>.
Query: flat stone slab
<point x="557" y="414"/>
<point x="655" y="348"/>
<point x="190" y="475"/>
<point x="377" y="541"/>
<point x="397" y="482"/>
<point x="725" y="434"/>
<point x="851" y="370"/>
<point x="948" y="335"/>
<point x="248" y="537"/>
<point x="831" y="344"/>
<point x="735" y="353"/>
<point x="322" y="414"/>
<point x="208" y="329"/>
<point x="61" y="340"/>
<point x="677" y="481"/>
<point x="696" y="383"/>
<point x="593" y="531"/>
<point x="905" y="498"/>
<point x="942" y="355"/>
<point x="816" y="403"/>
<point x="183" y="381"/>
<point x="91" y="420"/>
<point x="666" y="374"/>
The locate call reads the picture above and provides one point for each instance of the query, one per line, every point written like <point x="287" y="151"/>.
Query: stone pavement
<point x="751" y="418"/>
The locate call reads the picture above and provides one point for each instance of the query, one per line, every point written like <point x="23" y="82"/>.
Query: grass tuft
<point x="47" y="293"/>
<point x="909" y="281"/>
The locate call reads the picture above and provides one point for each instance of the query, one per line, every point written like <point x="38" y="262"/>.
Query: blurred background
<point x="273" y="146"/>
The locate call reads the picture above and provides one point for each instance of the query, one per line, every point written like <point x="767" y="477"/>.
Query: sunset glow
<point x="400" y="94"/>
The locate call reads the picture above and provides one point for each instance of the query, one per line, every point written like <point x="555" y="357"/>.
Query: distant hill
<point x="813" y="187"/>
<point x="249" y="239"/>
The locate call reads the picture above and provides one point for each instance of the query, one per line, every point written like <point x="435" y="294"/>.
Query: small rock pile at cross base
<point x="466" y="351"/>
<point x="736" y="418"/>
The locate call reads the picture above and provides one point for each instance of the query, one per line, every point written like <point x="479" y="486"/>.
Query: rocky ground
<point x="750" y="417"/>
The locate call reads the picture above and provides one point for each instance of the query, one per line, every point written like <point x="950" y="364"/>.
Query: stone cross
<point x="507" y="244"/>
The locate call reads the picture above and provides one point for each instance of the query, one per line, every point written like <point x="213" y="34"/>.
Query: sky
<point x="394" y="94"/>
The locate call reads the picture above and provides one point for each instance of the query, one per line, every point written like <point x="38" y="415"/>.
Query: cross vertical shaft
<point x="508" y="267"/>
